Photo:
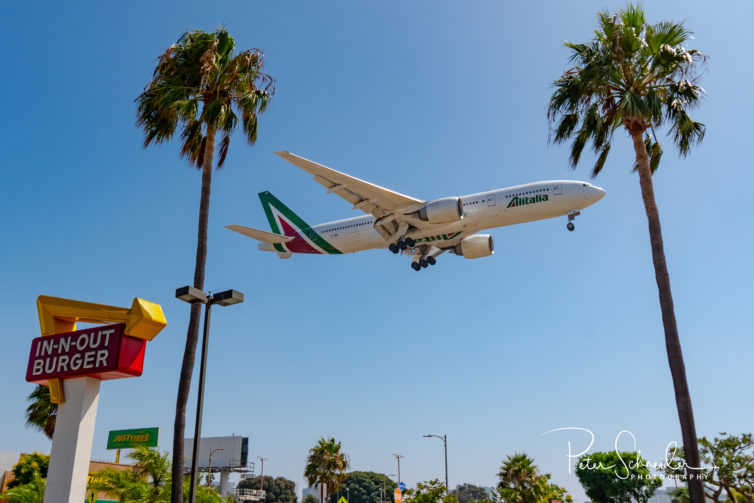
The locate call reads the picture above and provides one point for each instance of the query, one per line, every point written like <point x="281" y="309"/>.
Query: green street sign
<point x="128" y="439"/>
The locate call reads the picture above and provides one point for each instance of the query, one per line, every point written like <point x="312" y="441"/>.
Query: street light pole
<point x="444" y="439"/>
<point x="193" y="295"/>
<point x="398" y="457"/>
<point x="209" y="469"/>
<point x="261" y="477"/>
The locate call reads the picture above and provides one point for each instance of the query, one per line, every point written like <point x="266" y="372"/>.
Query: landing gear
<point x="571" y="215"/>
<point x="423" y="263"/>
<point x="394" y="248"/>
<point x="402" y="244"/>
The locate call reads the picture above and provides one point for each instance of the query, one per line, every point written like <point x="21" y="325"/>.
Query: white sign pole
<point x="72" y="442"/>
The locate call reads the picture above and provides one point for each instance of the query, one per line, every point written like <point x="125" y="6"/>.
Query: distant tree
<point x="520" y="480"/>
<point x="679" y="495"/>
<point x="31" y="492"/>
<point x="365" y="487"/>
<point x="612" y="477"/>
<point x="41" y="412"/>
<point x="467" y="493"/>
<point x="155" y="466"/>
<point x="277" y="490"/>
<point x="326" y="464"/>
<point x="727" y="467"/>
<point x="431" y="491"/>
<point x="125" y="485"/>
<point x="28" y="468"/>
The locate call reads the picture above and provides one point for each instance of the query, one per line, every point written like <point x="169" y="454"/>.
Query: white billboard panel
<point x="227" y="452"/>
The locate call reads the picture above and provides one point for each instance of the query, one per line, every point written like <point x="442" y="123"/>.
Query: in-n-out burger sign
<point x="100" y="352"/>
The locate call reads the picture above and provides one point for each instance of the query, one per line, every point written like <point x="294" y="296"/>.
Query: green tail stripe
<point x="268" y="200"/>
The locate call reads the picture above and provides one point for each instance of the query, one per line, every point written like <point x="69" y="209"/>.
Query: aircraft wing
<point x="364" y="196"/>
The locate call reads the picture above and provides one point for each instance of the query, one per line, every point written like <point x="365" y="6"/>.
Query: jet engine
<point x="442" y="211"/>
<point x="476" y="246"/>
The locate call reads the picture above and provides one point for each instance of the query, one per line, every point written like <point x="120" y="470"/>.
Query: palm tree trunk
<point x="192" y="335"/>
<point x="672" y="342"/>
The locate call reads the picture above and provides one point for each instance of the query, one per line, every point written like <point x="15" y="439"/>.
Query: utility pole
<point x="398" y="457"/>
<point x="261" y="477"/>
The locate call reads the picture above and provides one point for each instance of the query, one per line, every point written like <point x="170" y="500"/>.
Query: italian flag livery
<point x="285" y="222"/>
<point x="409" y="226"/>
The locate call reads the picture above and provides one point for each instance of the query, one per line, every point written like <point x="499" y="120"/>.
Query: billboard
<point x="129" y="439"/>
<point x="227" y="452"/>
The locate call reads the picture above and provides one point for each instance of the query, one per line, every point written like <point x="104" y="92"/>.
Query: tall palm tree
<point x="202" y="86"/>
<point x="326" y="464"/>
<point x="41" y="412"/>
<point x="638" y="77"/>
<point x="520" y="480"/>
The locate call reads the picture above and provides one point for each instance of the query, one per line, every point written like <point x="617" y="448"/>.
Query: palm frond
<point x="630" y="74"/>
<point x="654" y="151"/>
<point x="223" y="152"/>
<point x="196" y="85"/>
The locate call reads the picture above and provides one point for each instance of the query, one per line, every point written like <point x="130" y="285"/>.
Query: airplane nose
<point x="599" y="192"/>
<point x="593" y="194"/>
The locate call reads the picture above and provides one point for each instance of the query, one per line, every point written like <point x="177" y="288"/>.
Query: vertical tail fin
<point x="285" y="222"/>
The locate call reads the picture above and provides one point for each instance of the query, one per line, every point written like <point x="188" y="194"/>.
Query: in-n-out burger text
<point x="103" y="352"/>
<point x="55" y="357"/>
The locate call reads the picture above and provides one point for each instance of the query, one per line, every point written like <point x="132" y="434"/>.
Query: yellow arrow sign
<point x="143" y="320"/>
<point x="342" y="500"/>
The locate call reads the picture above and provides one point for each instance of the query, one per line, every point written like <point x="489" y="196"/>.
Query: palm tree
<point x="637" y="76"/>
<point x="41" y="412"/>
<point x="326" y="464"/>
<point x="520" y="480"/>
<point x="201" y="85"/>
<point x="126" y="485"/>
<point x="153" y="465"/>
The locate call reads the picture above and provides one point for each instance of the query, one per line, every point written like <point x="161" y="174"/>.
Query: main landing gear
<point x="571" y="215"/>
<point x="422" y="251"/>
<point x="401" y="245"/>
<point x="423" y="263"/>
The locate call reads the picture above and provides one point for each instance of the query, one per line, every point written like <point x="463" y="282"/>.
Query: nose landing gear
<point x="571" y="215"/>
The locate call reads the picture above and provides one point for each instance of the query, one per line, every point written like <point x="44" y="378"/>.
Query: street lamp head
<point x="191" y="295"/>
<point x="227" y="298"/>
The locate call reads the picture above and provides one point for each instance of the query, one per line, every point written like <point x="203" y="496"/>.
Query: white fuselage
<point x="485" y="210"/>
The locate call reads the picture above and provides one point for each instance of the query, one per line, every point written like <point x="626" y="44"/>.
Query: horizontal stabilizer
<point x="263" y="236"/>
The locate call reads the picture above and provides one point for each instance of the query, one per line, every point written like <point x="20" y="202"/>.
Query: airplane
<point x="403" y="224"/>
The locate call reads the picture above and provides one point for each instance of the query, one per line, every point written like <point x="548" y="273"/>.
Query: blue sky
<point x="431" y="99"/>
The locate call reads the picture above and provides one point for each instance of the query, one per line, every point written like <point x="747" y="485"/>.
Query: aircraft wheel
<point x="423" y="262"/>
<point x="402" y="245"/>
<point x="410" y="242"/>
<point x="393" y="248"/>
<point x="570" y="226"/>
<point x="415" y="266"/>
<point x="431" y="260"/>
